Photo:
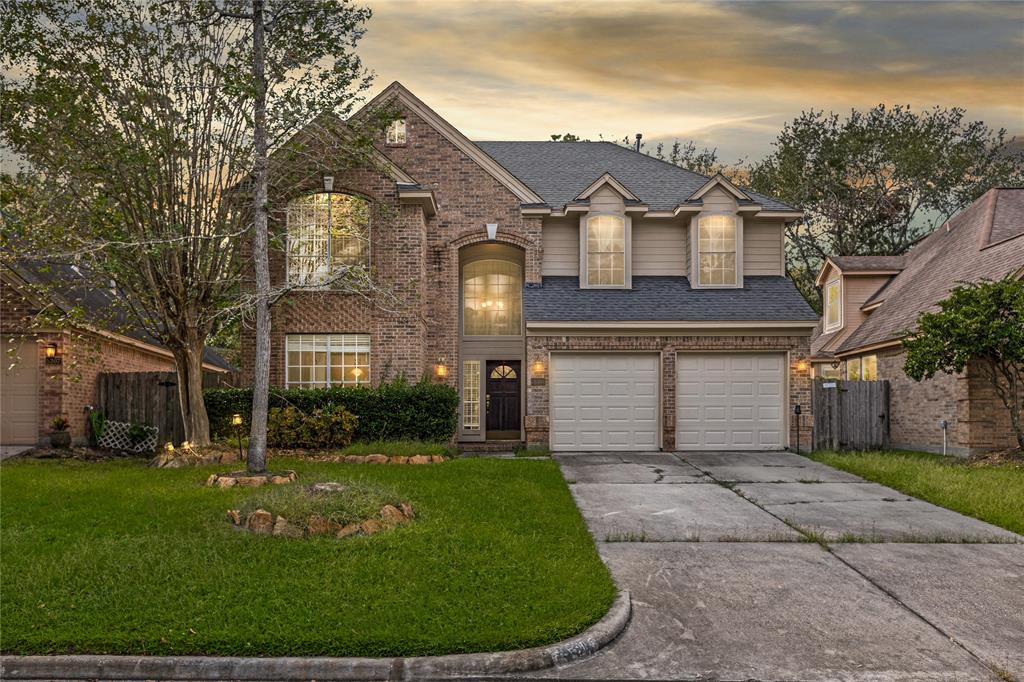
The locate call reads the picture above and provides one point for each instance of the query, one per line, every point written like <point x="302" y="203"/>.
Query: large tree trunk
<point x="261" y="257"/>
<point x="188" y="362"/>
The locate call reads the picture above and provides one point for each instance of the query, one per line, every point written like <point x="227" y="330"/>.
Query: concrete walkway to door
<point x="770" y="566"/>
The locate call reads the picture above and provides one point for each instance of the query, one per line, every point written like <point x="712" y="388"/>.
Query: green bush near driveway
<point x="396" y="410"/>
<point x="115" y="558"/>
<point x="991" y="493"/>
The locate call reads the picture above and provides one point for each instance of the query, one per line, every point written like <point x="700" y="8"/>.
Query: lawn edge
<point x="90" y="667"/>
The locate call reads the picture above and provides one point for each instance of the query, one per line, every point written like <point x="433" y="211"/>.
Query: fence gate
<point x="149" y="398"/>
<point x="850" y="415"/>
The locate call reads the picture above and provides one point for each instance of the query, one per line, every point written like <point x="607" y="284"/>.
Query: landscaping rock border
<point x="87" y="667"/>
<point x="381" y="459"/>
<point x="265" y="523"/>
<point x="244" y="479"/>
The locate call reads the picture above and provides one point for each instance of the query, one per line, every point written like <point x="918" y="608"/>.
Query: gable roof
<point x="397" y="91"/>
<point x="985" y="241"/>
<point x="66" y="288"/>
<point x="861" y="265"/>
<point x="608" y="179"/>
<point x="560" y="171"/>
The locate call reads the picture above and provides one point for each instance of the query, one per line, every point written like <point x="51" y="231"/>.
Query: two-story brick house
<point x="872" y="302"/>
<point x="578" y="294"/>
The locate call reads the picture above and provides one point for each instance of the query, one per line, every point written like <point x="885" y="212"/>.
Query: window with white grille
<point x="322" y="360"/>
<point x="327" y="233"/>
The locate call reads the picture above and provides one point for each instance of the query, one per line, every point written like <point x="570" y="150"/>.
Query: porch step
<point x="490" y="446"/>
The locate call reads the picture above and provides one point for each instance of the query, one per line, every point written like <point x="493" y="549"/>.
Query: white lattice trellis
<point x="115" y="437"/>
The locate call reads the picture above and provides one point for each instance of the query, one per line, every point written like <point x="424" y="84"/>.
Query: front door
<point x="503" y="399"/>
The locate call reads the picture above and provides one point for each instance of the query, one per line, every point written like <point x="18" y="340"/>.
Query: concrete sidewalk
<point x="720" y="553"/>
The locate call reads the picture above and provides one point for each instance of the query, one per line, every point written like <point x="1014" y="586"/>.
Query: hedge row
<point x="397" y="410"/>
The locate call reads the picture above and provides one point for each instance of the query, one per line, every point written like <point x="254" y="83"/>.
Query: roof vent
<point x="639" y="136"/>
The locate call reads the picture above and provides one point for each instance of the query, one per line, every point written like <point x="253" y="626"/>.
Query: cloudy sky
<point x="724" y="74"/>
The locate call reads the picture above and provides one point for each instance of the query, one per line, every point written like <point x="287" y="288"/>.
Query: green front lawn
<point x="991" y="493"/>
<point x="117" y="558"/>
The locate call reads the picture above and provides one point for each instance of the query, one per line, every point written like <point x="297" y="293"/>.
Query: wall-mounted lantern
<point x="52" y="354"/>
<point x="328" y="183"/>
<point x="802" y="366"/>
<point x="441" y="368"/>
<point x="538" y="368"/>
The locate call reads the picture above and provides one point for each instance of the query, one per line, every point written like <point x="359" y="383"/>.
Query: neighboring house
<point x="872" y="302"/>
<point x="581" y="294"/>
<point x="49" y="371"/>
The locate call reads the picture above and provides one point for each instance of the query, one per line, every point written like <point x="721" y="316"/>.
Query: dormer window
<point x="396" y="132"/>
<point x="833" y="306"/>
<point x="605" y="244"/>
<point x="717" y="242"/>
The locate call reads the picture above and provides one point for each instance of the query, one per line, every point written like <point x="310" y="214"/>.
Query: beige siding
<point x="659" y="247"/>
<point x="606" y="200"/>
<point x="762" y="247"/>
<point x="717" y="200"/>
<point x="855" y="290"/>
<point x="561" y="247"/>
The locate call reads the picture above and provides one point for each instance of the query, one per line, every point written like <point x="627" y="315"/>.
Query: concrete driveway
<point x="769" y="566"/>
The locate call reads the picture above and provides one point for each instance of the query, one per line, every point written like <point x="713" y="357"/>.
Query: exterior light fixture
<point x="492" y="231"/>
<point x="328" y="183"/>
<point x="441" y="368"/>
<point x="236" y="421"/>
<point x="538" y="368"/>
<point x="801" y="365"/>
<point x="52" y="358"/>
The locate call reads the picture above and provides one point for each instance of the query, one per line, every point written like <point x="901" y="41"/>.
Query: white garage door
<point x="730" y="401"/>
<point x="19" y="393"/>
<point x="604" y="401"/>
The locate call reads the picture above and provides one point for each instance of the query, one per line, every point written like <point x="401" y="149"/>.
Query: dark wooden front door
<point x="503" y="399"/>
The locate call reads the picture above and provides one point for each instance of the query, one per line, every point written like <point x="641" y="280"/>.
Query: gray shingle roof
<point x="560" y="299"/>
<point x="850" y="264"/>
<point x="560" y="171"/>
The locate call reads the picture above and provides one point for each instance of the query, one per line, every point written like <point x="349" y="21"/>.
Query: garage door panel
<point x="730" y="400"/>
<point x="19" y="397"/>
<point x="613" y="399"/>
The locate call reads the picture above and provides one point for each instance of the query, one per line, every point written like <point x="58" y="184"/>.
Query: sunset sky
<point x="724" y="74"/>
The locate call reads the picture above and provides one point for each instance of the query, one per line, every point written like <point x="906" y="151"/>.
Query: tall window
<point x="396" y="132"/>
<point x="716" y="248"/>
<point x="326" y="233"/>
<point x="606" y="251"/>
<point x="492" y="298"/>
<point x="471" y="395"/>
<point x="833" y="306"/>
<point x="321" y="360"/>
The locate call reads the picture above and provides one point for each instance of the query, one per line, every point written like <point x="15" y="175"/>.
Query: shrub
<point x="325" y="427"/>
<point x="393" y="411"/>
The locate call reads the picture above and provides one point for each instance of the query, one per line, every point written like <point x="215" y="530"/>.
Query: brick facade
<point x="977" y="419"/>
<point x="539" y="350"/>
<point x="66" y="389"/>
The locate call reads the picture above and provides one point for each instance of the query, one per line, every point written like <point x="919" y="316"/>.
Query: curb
<point x="90" y="667"/>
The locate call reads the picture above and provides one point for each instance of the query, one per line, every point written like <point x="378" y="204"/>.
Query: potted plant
<point x="60" y="437"/>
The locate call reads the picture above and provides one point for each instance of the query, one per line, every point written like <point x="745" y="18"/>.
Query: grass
<point x="991" y="493"/>
<point x="533" y="451"/>
<point x="115" y="558"/>
<point x="358" y="502"/>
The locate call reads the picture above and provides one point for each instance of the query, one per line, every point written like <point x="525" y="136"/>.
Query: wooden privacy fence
<point x="149" y="398"/>
<point x="850" y="415"/>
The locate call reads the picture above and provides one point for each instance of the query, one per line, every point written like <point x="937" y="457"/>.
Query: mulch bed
<point x="1013" y="457"/>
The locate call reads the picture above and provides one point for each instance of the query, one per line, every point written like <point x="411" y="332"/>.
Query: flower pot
<point x="60" y="439"/>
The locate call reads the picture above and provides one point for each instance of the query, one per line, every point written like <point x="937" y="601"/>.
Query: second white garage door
<point x="730" y="401"/>
<point x="604" y="401"/>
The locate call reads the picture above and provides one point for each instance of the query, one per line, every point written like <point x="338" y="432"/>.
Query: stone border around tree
<point x="88" y="667"/>
<point x="244" y="479"/>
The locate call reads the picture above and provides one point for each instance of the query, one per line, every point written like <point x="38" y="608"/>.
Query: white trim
<point x="627" y="251"/>
<point x="719" y="180"/>
<point x="447" y="130"/>
<point x="826" y="327"/>
<point x="695" y="251"/>
<point x="780" y="214"/>
<point x="607" y="179"/>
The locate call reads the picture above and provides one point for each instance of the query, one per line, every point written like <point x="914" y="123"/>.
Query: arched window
<point x="492" y="298"/>
<point x="327" y="232"/>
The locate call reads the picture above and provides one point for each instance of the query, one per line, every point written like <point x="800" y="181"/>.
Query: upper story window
<point x="833" y="306"/>
<point x="716" y="250"/>
<point x="327" y="233"/>
<point x="606" y="251"/>
<point x="492" y="298"/>
<point x="396" y="132"/>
